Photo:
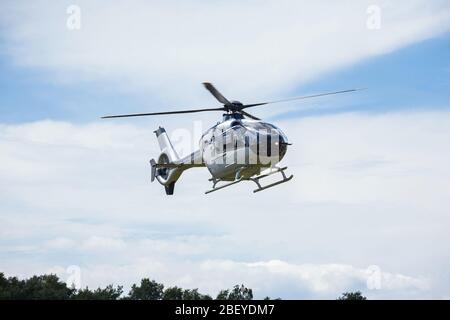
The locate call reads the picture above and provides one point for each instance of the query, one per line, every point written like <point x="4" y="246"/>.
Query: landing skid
<point x="255" y="180"/>
<point x="215" y="181"/>
<point x="283" y="180"/>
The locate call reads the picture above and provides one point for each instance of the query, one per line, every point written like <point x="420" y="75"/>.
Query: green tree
<point x="173" y="293"/>
<point x="10" y="288"/>
<point x="239" y="292"/>
<point x="223" y="295"/>
<point x="148" y="290"/>
<point x="176" y="293"/>
<point x="357" y="295"/>
<point x="37" y="287"/>
<point x="108" y="293"/>
<point x="269" y="298"/>
<point x="46" y="287"/>
<point x="193" y="294"/>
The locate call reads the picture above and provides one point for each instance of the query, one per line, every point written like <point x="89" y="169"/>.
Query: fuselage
<point x="240" y="148"/>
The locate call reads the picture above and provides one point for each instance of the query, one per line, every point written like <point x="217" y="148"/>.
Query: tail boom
<point x="169" y="166"/>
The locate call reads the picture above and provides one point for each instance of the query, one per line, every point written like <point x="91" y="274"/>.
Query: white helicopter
<point x="239" y="148"/>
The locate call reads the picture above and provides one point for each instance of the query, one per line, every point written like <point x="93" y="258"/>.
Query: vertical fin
<point x="165" y="144"/>
<point x="170" y="188"/>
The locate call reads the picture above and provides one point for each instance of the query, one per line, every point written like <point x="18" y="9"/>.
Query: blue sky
<point x="29" y="94"/>
<point x="371" y="183"/>
<point x="415" y="77"/>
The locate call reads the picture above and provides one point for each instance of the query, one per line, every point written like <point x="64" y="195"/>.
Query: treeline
<point x="50" y="287"/>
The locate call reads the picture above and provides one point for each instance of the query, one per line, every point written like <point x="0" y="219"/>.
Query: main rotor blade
<point x="301" y="98"/>
<point x="163" y="113"/>
<point x="249" y="115"/>
<point x="217" y="94"/>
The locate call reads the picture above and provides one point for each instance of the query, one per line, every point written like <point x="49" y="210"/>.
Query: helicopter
<point x="239" y="148"/>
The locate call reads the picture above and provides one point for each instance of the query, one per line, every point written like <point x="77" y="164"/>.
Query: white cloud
<point x="311" y="279"/>
<point x="251" y="49"/>
<point x="388" y="157"/>
<point x="274" y="277"/>
<point x="368" y="190"/>
<point x="60" y="243"/>
<point x="102" y="244"/>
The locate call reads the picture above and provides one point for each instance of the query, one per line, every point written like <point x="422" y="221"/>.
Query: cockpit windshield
<point x="236" y="129"/>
